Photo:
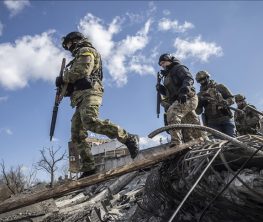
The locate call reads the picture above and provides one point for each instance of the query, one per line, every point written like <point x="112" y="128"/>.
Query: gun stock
<point x="58" y="98"/>
<point x="158" y="96"/>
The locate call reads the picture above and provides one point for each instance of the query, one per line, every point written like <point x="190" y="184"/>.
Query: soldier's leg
<point x="91" y="122"/>
<point x="78" y="137"/>
<point x="228" y="127"/>
<point x="89" y="112"/>
<point x="191" y="134"/>
<point x="175" y="115"/>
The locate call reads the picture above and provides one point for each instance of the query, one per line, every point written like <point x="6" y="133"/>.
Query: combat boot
<point x="132" y="144"/>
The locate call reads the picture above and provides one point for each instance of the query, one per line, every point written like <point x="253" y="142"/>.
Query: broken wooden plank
<point x="58" y="191"/>
<point x="114" y="188"/>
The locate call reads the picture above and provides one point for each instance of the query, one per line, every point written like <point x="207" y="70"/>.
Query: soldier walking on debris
<point x="180" y="98"/>
<point x="247" y="121"/>
<point x="84" y="79"/>
<point x="214" y="100"/>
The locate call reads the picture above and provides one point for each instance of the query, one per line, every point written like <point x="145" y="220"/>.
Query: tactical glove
<point x="59" y="81"/>
<point x="185" y="90"/>
<point x="182" y="98"/>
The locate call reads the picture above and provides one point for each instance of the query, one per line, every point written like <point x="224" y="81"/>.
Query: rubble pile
<point x="113" y="200"/>
<point x="242" y="200"/>
<point x="212" y="181"/>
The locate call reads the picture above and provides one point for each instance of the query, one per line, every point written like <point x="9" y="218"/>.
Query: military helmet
<point x="166" y="57"/>
<point x="202" y="75"/>
<point x="239" y="98"/>
<point x="71" y="37"/>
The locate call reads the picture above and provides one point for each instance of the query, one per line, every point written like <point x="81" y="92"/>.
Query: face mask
<point x="203" y="81"/>
<point x="241" y="104"/>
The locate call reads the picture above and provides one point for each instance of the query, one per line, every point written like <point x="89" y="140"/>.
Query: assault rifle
<point x="159" y="78"/>
<point x="220" y="103"/>
<point x="60" y="91"/>
<point x="254" y="110"/>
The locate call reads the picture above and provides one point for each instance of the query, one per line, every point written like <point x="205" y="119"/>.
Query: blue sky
<point x="224" y="38"/>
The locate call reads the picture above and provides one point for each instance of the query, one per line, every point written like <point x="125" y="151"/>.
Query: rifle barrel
<point x="255" y="110"/>
<point x="53" y="121"/>
<point x="158" y="96"/>
<point x="57" y="101"/>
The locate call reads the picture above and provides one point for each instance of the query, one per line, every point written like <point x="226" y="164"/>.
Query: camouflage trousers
<point x="86" y="119"/>
<point x="184" y="114"/>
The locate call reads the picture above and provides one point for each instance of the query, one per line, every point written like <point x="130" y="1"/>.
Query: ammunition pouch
<point x="82" y="84"/>
<point x="69" y="90"/>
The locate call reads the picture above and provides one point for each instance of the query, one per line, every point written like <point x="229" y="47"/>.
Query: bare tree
<point x="49" y="160"/>
<point x="14" y="179"/>
<point x="30" y="178"/>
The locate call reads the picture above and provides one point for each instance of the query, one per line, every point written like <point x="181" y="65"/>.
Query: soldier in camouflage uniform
<point x="84" y="79"/>
<point x="180" y="98"/>
<point x="214" y="100"/>
<point x="247" y="121"/>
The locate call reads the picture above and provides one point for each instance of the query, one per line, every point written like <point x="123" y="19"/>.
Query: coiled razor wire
<point x="218" y="150"/>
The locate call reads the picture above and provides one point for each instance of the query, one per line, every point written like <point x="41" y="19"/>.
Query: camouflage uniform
<point x="247" y="122"/>
<point x="87" y="102"/>
<point x="213" y="101"/>
<point x="177" y="82"/>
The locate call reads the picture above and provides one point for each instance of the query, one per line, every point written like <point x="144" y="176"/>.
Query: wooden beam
<point x="143" y="162"/>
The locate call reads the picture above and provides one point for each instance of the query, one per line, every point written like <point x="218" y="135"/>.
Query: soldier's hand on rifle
<point x="161" y="89"/>
<point x="59" y="81"/>
<point x="182" y="98"/>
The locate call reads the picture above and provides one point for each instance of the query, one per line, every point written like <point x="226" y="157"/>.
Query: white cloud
<point x="143" y="65"/>
<point x="29" y="58"/>
<point x="16" y="6"/>
<point x="146" y="142"/>
<point x="141" y="69"/>
<point x="116" y="55"/>
<point x="6" y="131"/>
<point x="167" y="24"/>
<point x="101" y="37"/>
<point x="196" y="49"/>
<point x="152" y="9"/>
<point x="124" y="50"/>
<point x="166" y="12"/>
<point x="135" y="18"/>
<point x="3" y="98"/>
<point x="1" y="28"/>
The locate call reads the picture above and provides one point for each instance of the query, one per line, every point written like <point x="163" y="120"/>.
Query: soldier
<point x="85" y="78"/>
<point x="180" y="98"/>
<point x="247" y="121"/>
<point x="214" y="100"/>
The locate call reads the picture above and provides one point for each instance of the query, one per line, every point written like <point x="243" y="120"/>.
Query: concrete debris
<point x="152" y="194"/>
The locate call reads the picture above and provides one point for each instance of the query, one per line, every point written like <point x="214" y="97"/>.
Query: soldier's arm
<point x="186" y="78"/>
<point x="82" y="66"/>
<point x="253" y="118"/>
<point x="226" y="94"/>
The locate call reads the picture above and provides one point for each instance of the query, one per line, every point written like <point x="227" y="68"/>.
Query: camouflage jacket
<point x="214" y="111"/>
<point x="247" y="122"/>
<point x="86" y="62"/>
